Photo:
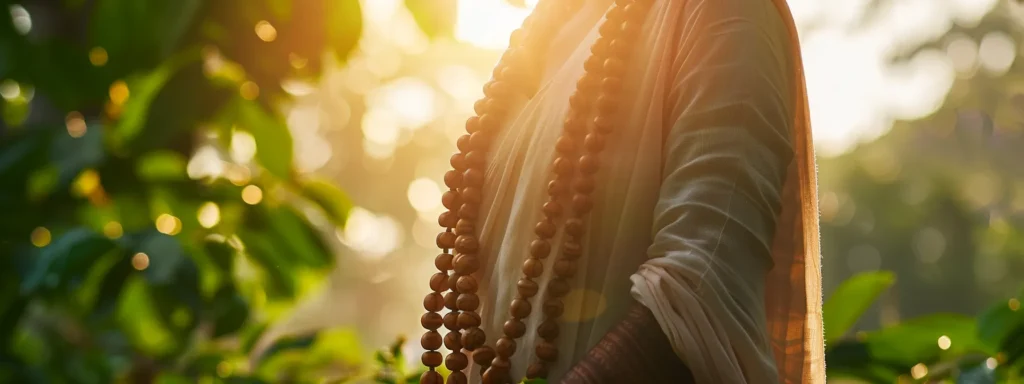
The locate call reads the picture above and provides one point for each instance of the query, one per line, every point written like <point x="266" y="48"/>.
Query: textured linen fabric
<point x="713" y="134"/>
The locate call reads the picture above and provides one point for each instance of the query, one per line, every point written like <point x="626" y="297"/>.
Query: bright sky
<point x="854" y="95"/>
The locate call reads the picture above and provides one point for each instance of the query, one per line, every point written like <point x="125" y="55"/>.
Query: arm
<point x="726" y="152"/>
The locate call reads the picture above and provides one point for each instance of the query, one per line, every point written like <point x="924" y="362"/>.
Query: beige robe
<point x="732" y="316"/>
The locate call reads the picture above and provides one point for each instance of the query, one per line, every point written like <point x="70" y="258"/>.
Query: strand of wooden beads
<point x="612" y="50"/>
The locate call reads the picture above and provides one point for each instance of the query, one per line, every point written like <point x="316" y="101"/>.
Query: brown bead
<point x="593" y="64"/>
<point x="451" y="321"/>
<point x="565" y="146"/>
<point x="453" y="340"/>
<point x="433" y="302"/>
<point x="607" y="103"/>
<point x="630" y="28"/>
<point x="552" y="209"/>
<point x="594" y="143"/>
<point x="610" y="29"/>
<point x="572" y="250"/>
<point x="457" y="377"/>
<point x="458" y="162"/>
<point x="450" y="300"/>
<point x="431" y="377"/>
<point x="471" y="195"/>
<point x="480" y="106"/>
<point x="452" y="280"/>
<point x="520" y="308"/>
<point x="498" y="89"/>
<point x="464" y="227"/>
<point x="548" y="329"/>
<point x="600" y="47"/>
<point x="513" y="75"/>
<point x="547" y="351"/>
<point x="582" y="204"/>
<point x="439" y="282"/>
<point x="456" y="362"/>
<point x="494" y="376"/>
<point x="565" y="268"/>
<point x="501" y="365"/>
<point x="450" y="200"/>
<point x="558" y="287"/>
<point x="447" y="219"/>
<point x="553" y="308"/>
<point x="431" y="359"/>
<point x="619" y="48"/>
<point x="473" y="177"/>
<point x="467" y="302"/>
<point x="467" y="284"/>
<point x="480" y="140"/>
<point x="588" y="82"/>
<point x="469" y="211"/>
<point x="469" y="320"/>
<point x="574" y="227"/>
<point x="579" y="101"/>
<point x="466" y="244"/>
<point x="476" y="159"/>
<point x="463" y="143"/>
<point x="533" y="268"/>
<point x="482" y="356"/>
<point x="603" y="124"/>
<point x="545" y="229"/>
<point x="537" y="370"/>
<point x="505" y="347"/>
<point x="584" y="184"/>
<point x="540" y="248"/>
<point x="514" y="328"/>
<point x="489" y="122"/>
<point x="557" y="188"/>
<point x="588" y="164"/>
<point x="563" y="166"/>
<point x="473" y="338"/>
<point x="465" y="264"/>
<point x="618" y="12"/>
<point x="431" y="340"/>
<point x="473" y="124"/>
<point x="611" y="85"/>
<point x="431" y="320"/>
<point x="446" y="240"/>
<point x="527" y="288"/>
<point x="576" y="125"/>
<point x="453" y="179"/>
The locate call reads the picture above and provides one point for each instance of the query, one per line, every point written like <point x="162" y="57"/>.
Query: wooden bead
<point x="600" y="47"/>
<point x="473" y="177"/>
<point x="467" y="302"/>
<point x="451" y="321"/>
<point x="565" y="268"/>
<point x="557" y="188"/>
<point x="431" y="359"/>
<point x="431" y="377"/>
<point x="431" y="320"/>
<point x="545" y="229"/>
<point x="565" y="146"/>
<point x="467" y="284"/>
<point x="630" y="29"/>
<point x="520" y="308"/>
<point x="533" y="268"/>
<point x="476" y="158"/>
<point x="582" y="204"/>
<point x="593" y="64"/>
<point x="614" y="66"/>
<point x="473" y="124"/>
<point x="500" y="365"/>
<point x="610" y="29"/>
<point x="505" y="347"/>
<point x="431" y="340"/>
<point x="552" y="209"/>
<point x="458" y="161"/>
<point x="465" y="264"/>
<point x="464" y="227"/>
<point x="563" y="166"/>
<point x="527" y="288"/>
<point x="588" y="82"/>
<point x="471" y="195"/>
<point x="584" y="184"/>
<point x="572" y="250"/>
<point x="498" y="89"/>
<point x="494" y="376"/>
<point x="514" y="328"/>
<point x="453" y="340"/>
<point x="618" y="11"/>
<point x="466" y="244"/>
<point x="546" y="351"/>
<point x="489" y="122"/>
<point x="433" y="302"/>
<point x="537" y="370"/>
<point x="548" y="330"/>
<point x="607" y="103"/>
<point x="446" y="240"/>
<point x="594" y="143"/>
<point x="469" y="319"/>
<point x="469" y="211"/>
<point x="558" y="287"/>
<point x="482" y="356"/>
<point x="579" y="101"/>
<point x="516" y="38"/>
<point x="457" y="377"/>
<point x="553" y="308"/>
<point x="443" y="261"/>
<point x="588" y="164"/>
<point x="447" y="219"/>
<point x="463" y="143"/>
<point x="603" y="124"/>
<point x="480" y="140"/>
<point x="453" y="179"/>
<point x="450" y="200"/>
<point x="619" y="47"/>
<point x="450" y="299"/>
<point x="452" y="280"/>
<point x="439" y="282"/>
<point x="473" y="338"/>
<point x="574" y="227"/>
<point x="611" y="85"/>
<point x="540" y="248"/>
<point x="480" y="106"/>
<point x="456" y="362"/>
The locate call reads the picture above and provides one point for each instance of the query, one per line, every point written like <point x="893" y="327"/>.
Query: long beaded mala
<point x="591" y="110"/>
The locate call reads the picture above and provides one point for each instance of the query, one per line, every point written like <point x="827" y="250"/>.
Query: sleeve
<point x="726" y="151"/>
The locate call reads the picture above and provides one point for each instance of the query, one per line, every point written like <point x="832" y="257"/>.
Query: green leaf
<point x="70" y="255"/>
<point x="331" y="199"/>
<point x="435" y="17"/>
<point x="72" y="155"/>
<point x="849" y="301"/>
<point x="143" y="88"/>
<point x="997" y="323"/>
<point x="286" y="344"/>
<point x="917" y="340"/>
<point x="161" y="166"/>
<point x="229" y="311"/>
<point x="138" y="34"/>
<point x="300" y="241"/>
<point x="345" y="27"/>
<point x="273" y="140"/>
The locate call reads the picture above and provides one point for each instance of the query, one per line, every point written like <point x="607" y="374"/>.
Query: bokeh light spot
<point x="98" y="56"/>
<point x="252" y="194"/>
<point x="140" y="261"/>
<point x="119" y="92"/>
<point x="75" y="124"/>
<point x="113" y="230"/>
<point x="21" y="19"/>
<point x="249" y="90"/>
<point x="945" y="342"/>
<point x="168" y="224"/>
<point x="1014" y="304"/>
<point x="424" y="194"/>
<point x="265" y="31"/>
<point x="919" y="371"/>
<point x="40" y="237"/>
<point x="208" y="215"/>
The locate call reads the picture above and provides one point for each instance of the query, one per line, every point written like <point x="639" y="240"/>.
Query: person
<point x="635" y="202"/>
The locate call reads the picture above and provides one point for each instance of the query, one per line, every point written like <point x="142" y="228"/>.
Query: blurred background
<point x="246" y="191"/>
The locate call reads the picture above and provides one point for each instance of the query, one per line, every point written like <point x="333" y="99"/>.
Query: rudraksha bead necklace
<point x="592" y="108"/>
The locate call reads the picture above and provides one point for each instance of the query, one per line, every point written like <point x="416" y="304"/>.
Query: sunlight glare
<point x="488" y="23"/>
